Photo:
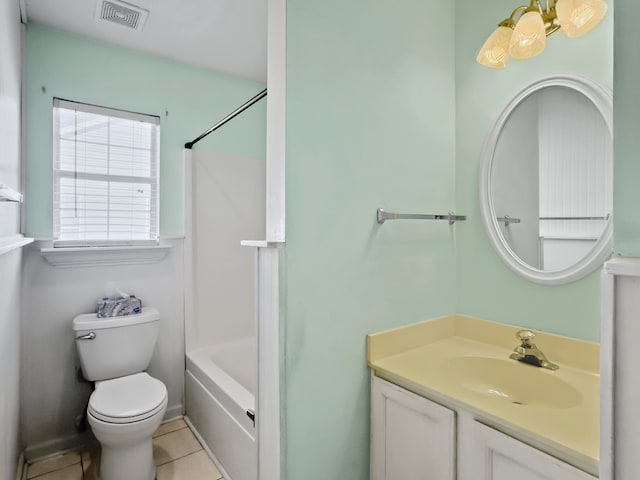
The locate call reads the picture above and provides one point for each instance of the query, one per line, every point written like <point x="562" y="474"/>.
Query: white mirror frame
<point x="603" y="100"/>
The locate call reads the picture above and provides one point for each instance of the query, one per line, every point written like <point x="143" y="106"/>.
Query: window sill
<point x="9" y="195"/>
<point x="66" y="257"/>
<point x="7" y="244"/>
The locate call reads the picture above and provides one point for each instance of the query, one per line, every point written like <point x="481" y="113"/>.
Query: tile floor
<point x="177" y="454"/>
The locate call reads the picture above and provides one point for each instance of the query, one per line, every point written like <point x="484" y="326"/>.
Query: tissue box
<point x="118" y="306"/>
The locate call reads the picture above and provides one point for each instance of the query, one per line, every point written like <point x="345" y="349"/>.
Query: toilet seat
<point x="128" y="399"/>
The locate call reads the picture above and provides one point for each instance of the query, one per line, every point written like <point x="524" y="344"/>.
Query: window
<point x="105" y="170"/>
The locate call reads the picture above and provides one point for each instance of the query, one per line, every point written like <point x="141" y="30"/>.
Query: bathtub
<point x="220" y="384"/>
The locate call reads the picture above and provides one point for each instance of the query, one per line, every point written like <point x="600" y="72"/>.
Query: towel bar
<point x="383" y="216"/>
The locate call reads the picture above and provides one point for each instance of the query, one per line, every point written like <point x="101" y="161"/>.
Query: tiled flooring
<point x="177" y="454"/>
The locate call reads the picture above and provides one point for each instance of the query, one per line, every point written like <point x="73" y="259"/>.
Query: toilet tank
<point x="115" y="346"/>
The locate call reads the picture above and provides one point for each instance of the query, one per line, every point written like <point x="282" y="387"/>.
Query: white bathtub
<point x="219" y="389"/>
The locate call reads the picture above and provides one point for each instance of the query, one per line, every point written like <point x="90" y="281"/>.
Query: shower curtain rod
<point x="232" y="115"/>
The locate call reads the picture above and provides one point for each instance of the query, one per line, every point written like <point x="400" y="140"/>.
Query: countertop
<point x="417" y="357"/>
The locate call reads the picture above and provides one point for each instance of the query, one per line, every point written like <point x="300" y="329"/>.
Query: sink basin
<point x="511" y="381"/>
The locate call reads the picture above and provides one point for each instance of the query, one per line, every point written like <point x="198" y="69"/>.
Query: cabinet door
<point x="492" y="455"/>
<point x="412" y="438"/>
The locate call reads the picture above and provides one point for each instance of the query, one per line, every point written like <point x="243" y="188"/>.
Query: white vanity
<point x="447" y="403"/>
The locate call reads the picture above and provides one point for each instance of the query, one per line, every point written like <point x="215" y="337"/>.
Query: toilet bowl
<point x="128" y="404"/>
<point x="123" y="414"/>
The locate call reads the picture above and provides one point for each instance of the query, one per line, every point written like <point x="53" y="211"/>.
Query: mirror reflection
<point x="551" y="179"/>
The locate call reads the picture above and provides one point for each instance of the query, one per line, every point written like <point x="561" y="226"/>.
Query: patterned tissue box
<point x="118" y="306"/>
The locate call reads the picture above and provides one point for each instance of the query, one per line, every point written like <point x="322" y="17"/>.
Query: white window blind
<point x="105" y="175"/>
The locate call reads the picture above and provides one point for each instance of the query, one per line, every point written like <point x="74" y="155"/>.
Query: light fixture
<point x="529" y="38"/>
<point x="526" y="37"/>
<point x="495" y="51"/>
<point x="577" y="17"/>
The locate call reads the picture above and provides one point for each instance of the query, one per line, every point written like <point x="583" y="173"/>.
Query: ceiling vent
<point x="122" y="13"/>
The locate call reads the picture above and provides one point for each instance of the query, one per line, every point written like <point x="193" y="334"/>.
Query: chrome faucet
<point x="527" y="352"/>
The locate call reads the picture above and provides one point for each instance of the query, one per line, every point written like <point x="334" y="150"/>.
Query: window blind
<point x="105" y="175"/>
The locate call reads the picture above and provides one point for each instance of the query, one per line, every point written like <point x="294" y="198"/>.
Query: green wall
<point x="486" y="287"/>
<point x="626" y="199"/>
<point x="372" y="88"/>
<point x="188" y="99"/>
<point x="370" y="123"/>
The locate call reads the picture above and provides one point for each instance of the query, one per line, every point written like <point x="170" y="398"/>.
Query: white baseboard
<point x="58" y="445"/>
<point x="82" y="440"/>
<point x="173" y="412"/>
<point x="21" y="470"/>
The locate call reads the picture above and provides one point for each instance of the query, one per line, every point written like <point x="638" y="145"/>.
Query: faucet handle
<point x="526" y="337"/>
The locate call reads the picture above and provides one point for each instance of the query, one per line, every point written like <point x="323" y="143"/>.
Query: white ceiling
<point x="228" y="36"/>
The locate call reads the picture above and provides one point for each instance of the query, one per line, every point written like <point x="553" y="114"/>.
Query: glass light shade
<point x="495" y="51"/>
<point x="577" y="17"/>
<point x="529" y="37"/>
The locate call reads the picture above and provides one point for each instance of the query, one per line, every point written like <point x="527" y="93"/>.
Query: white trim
<point x="271" y="451"/>
<point x="21" y="470"/>
<point x="188" y="248"/>
<point x="260" y="244"/>
<point x="602" y="99"/>
<point x="607" y="373"/>
<point x="173" y="412"/>
<point x="7" y="194"/>
<point x="7" y="244"/>
<point x="270" y="366"/>
<point x="629" y="267"/>
<point x="276" y="120"/>
<point x="160" y="238"/>
<point x="56" y="446"/>
<point x="104" y="256"/>
<point x="270" y="359"/>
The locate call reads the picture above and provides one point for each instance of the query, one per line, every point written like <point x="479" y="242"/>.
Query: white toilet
<point x="127" y="404"/>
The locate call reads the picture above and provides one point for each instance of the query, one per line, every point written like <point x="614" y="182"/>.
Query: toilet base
<point x="127" y="448"/>
<point x="127" y="462"/>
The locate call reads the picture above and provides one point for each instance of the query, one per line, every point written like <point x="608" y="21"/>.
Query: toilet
<point x="128" y="404"/>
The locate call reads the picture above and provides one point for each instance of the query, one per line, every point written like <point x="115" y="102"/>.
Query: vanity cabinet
<point x="487" y="454"/>
<point x="412" y="438"/>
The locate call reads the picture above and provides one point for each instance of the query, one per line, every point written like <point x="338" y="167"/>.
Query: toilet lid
<point x="128" y="399"/>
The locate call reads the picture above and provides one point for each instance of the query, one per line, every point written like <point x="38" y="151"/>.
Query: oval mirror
<point x="546" y="182"/>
